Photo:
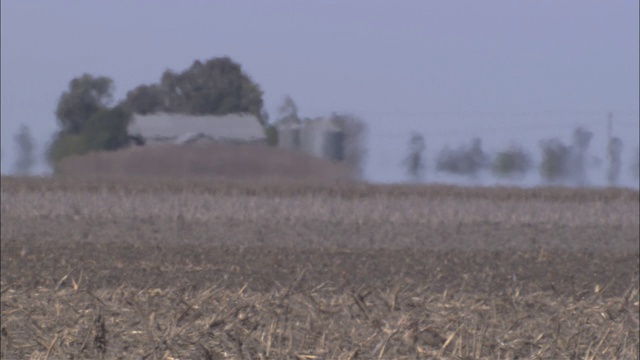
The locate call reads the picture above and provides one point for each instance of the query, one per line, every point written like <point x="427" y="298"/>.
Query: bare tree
<point x="414" y="162"/>
<point x="25" y="146"/>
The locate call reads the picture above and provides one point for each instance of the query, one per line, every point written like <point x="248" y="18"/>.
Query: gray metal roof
<point x="169" y="127"/>
<point x="190" y="138"/>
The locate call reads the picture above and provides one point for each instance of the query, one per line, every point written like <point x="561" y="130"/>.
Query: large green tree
<point x="219" y="86"/>
<point x="146" y="99"/>
<point x="87" y="123"/>
<point x="86" y="95"/>
<point x="106" y="129"/>
<point x="64" y="145"/>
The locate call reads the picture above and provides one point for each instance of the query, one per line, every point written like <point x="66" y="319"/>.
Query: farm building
<point x="319" y="137"/>
<point x="190" y="129"/>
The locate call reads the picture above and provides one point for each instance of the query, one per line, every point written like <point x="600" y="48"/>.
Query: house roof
<point x="163" y="126"/>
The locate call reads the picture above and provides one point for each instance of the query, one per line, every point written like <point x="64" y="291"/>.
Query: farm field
<point x="216" y="269"/>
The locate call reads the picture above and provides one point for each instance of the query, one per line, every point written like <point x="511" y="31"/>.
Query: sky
<point x="506" y="71"/>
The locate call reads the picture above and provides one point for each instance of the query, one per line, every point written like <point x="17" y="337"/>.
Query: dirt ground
<point x="187" y="269"/>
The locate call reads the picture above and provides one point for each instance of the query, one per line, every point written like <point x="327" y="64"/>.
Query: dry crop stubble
<point x="184" y="268"/>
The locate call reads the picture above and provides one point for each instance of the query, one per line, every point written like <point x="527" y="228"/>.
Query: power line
<point x="474" y="113"/>
<point x="506" y="129"/>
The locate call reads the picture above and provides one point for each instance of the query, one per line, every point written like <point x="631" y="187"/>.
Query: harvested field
<point x="216" y="269"/>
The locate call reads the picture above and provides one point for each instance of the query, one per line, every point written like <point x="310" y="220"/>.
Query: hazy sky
<point x="502" y="70"/>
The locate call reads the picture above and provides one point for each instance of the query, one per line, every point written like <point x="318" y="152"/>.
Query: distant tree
<point x="146" y="99"/>
<point x="563" y="163"/>
<point x="614" y="153"/>
<point x="172" y="93"/>
<point x="86" y="95"/>
<point x="555" y="156"/>
<point x="218" y="86"/>
<point x="64" y="145"/>
<point x="287" y="114"/>
<point x="414" y="162"/>
<point x="25" y="146"/>
<point x="581" y="140"/>
<point x="466" y="160"/>
<point x="87" y="123"/>
<point x="288" y="111"/>
<point x="512" y="162"/>
<point x="107" y="129"/>
<point x="355" y="151"/>
<point x="271" y="132"/>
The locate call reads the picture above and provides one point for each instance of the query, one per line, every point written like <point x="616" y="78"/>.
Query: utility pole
<point x="609" y="156"/>
<point x="609" y="126"/>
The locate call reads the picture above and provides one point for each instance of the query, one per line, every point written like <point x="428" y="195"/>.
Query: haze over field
<point x="499" y="70"/>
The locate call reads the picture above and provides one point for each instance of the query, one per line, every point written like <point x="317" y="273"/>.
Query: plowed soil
<point x="185" y="269"/>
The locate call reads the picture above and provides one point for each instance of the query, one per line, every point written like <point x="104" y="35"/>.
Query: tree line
<point x="561" y="163"/>
<point x="89" y="120"/>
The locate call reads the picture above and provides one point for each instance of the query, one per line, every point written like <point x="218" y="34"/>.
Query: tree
<point x="271" y="132"/>
<point x="287" y="114"/>
<point x="218" y="87"/>
<point x="64" y="145"/>
<point x="107" y="129"/>
<point x="86" y="95"/>
<point x="577" y="166"/>
<point x="87" y="123"/>
<point x="562" y="163"/>
<point x="512" y="163"/>
<point x="414" y="161"/>
<point x="146" y="99"/>
<point x="466" y="160"/>
<point x="25" y="146"/>
<point x="555" y="156"/>
<point x="288" y="111"/>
